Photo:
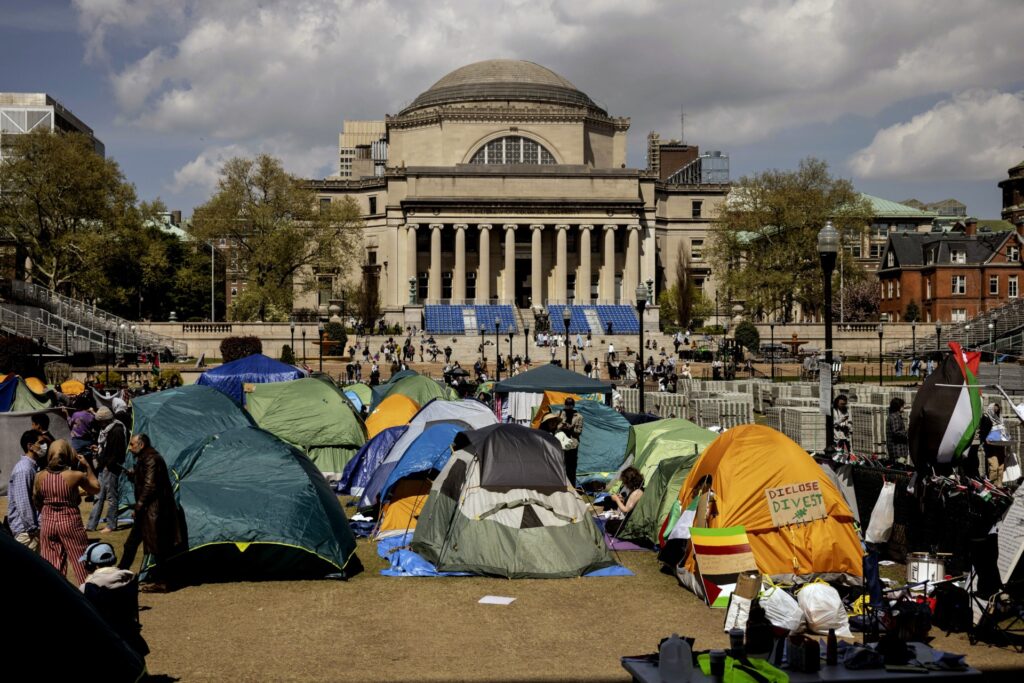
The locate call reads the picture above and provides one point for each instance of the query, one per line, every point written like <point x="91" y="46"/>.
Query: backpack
<point x="953" y="612"/>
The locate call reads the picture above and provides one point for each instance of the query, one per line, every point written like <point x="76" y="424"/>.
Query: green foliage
<point x="913" y="312"/>
<point x="287" y="355"/>
<point x="233" y="348"/>
<point x="367" y="300"/>
<point x="747" y="336"/>
<point x="860" y="300"/>
<point x="110" y="379"/>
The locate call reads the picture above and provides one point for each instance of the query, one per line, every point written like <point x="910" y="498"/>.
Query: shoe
<point x="108" y="530"/>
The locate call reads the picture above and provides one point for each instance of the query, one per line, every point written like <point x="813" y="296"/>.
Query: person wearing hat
<point x="114" y="593"/>
<point x="111" y="446"/>
<point x="571" y="425"/>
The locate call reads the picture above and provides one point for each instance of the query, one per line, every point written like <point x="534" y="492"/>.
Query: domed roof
<point x="502" y="80"/>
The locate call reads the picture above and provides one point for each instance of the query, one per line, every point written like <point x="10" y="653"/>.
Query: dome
<point x="502" y="80"/>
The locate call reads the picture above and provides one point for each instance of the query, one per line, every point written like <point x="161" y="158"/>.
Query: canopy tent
<point x="313" y="415"/>
<point x="393" y="411"/>
<point x="367" y="459"/>
<point x="652" y="442"/>
<point x="420" y="389"/>
<point x="38" y="593"/>
<point x="273" y="518"/>
<point x="552" y="378"/>
<point x="503" y="507"/>
<point x="230" y="378"/>
<point x="12" y="426"/>
<point x="602" y="443"/>
<point x="465" y="413"/>
<point x="661" y="491"/>
<point x="362" y="391"/>
<point x="744" y="467"/>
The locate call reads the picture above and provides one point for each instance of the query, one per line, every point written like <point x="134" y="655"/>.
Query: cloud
<point x="975" y="135"/>
<point x="203" y="171"/>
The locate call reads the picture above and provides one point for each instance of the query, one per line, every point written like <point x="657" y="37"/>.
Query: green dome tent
<point x="420" y="389"/>
<point x="313" y="415"/>
<point x="652" y="442"/>
<point x="644" y="522"/>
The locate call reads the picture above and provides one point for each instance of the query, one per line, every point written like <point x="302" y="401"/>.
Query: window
<point x="697" y="206"/>
<point x="890" y="260"/>
<point x="696" y="250"/>
<point x="1011" y="287"/>
<point x="931" y="257"/>
<point x="512" y="150"/>
<point x="446" y="284"/>
<point x="1013" y="254"/>
<point x="879" y="229"/>
<point x="993" y="285"/>
<point x="928" y="289"/>
<point x="958" y="315"/>
<point x="698" y="283"/>
<point x="470" y="286"/>
<point x="421" y="285"/>
<point x="373" y="206"/>
<point x="875" y="251"/>
<point x="958" y="256"/>
<point x="234" y="291"/>
<point x="959" y="284"/>
<point x="325" y="203"/>
<point x="897" y="290"/>
<point x="324" y="288"/>
<point x="854" y="250"/>
<point x="890" y="288"/>
<point x="882" y="295"/>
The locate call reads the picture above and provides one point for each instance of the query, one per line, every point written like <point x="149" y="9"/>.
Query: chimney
<point x="971" y="227"/>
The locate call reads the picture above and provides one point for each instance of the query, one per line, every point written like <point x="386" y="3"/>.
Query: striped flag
<point x="946" y="410"/>
<point x="722" y="555"/>
<point x="679" y="521"/>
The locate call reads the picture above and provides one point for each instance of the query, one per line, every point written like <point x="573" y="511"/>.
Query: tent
<point x="26" y="400"/>
<point x="602" y="443"/>
<point x="12" y="426"/>
<point x="275" y="517"/>
<point x="361" y="391"/>
<point x="503" y="507"/>
<point x="748" y="468"/>
<point x="36" y="593"/>
<point x="230" y="378"/>
<point x="552" y="378"/>
<point x="367" y="459"/>
<point x="660" y="492"/>
<point x="72" y="387"/>
<point x="36" y="385"/>
<point x="420" y="389"/>
<point x="465" y="413"/>
<point x="313" y="415"/>
<point x="393" y="411"/>
<point x="652" y="442"/>
<point x="8" y="390"/>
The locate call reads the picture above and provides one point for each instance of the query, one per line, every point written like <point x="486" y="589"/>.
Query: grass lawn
<point x="375" y="628"/>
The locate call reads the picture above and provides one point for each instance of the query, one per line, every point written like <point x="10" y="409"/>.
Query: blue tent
<point x="354" y="398"/>
<point x="430" y="451"/>
<point x="359" y="470"/>
<point x="256" y="369"/>
<point x="8" y="390"/>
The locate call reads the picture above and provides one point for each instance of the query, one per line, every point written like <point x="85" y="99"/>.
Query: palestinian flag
<point x="722" y="555"/>
<point x="679" y="521"/>
<point x="946" y="410"/>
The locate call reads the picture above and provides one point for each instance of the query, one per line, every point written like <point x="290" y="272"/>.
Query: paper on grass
<point x="496" y="600"/>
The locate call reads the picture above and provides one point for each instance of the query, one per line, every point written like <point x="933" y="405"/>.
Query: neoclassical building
<point x="504" y="183"/>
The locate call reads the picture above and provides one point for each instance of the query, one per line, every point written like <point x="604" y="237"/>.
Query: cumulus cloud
<point x="975" y="135"/>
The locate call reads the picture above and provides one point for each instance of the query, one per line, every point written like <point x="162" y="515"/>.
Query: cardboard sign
<point x="796" y="503"/>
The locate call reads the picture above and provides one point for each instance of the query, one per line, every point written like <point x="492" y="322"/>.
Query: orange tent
<point x="402" y="509"/>
<point x="766" y="483"/>
<point x="551" y="398"/>
<point x="35" y="385"/>
<point x="72" y="387"/>
<point x="393" y="411"/>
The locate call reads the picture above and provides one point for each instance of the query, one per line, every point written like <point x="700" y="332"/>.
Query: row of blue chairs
<point x="622" y="318"/>
<point x="451" y="318"/>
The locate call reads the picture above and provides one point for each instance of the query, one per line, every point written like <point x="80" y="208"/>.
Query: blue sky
<point x="906" y="97"/>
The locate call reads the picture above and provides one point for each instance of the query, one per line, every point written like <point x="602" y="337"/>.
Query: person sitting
<point x="623" y="502"/>
<point x="114" y="593"/>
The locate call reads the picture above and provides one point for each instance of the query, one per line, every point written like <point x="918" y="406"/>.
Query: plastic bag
<point x="1012" y="472"/>
<point x="823" y="609"/>
<point x="782" y="610"/>
<point x="880" y="525"/>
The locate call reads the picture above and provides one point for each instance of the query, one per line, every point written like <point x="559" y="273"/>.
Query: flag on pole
<point x="946" y="410"/>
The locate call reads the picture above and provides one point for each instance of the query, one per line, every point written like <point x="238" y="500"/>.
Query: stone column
<point x="509" y="277"/>
<point x="561" y="264"/>
<point x="459" y="285"/>
<point x="631" y="272"/>
<point x="434" y="276"/>
<point x="536" y="263"/>
<point x="583" y="276"/>
<point x="607" y="285"/>
<point x="483" y="271"/>
<point x="410" y="255"/>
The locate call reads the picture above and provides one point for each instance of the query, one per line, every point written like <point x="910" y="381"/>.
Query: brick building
<point x="1013" y="194"/>
<point x="951" y="276"/>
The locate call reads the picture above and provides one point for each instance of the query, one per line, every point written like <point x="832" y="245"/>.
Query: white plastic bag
<point x="880" y="526"/>
<point x="823" y="609"/>
<point x="782" y="610"/>
<point x="1012" y="472"/>
<point x="738" y="613"/>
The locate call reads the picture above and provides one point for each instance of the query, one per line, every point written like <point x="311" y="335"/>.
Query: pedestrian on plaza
<point x="22" y="514"/>
<point x="81" y="422"/>
<point x="897" y="443"/>
<point x="842" y="424"/>
<point x="111" y="446"/>
<point x="571" y="424"/>
<point x="62" y="538"/>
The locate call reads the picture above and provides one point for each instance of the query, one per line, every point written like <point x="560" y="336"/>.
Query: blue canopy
<point x="430" y="451"/>
<point x="229" y="378"/>
<point x="359" y="470"/>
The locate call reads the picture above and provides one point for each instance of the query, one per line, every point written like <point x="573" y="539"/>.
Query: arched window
<point x="512" y="150"/>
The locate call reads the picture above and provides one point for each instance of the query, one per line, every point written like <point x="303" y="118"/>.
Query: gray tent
<point x="11" y="427"/>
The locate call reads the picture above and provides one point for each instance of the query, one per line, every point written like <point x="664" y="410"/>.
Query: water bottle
<point x="675" y="660"/>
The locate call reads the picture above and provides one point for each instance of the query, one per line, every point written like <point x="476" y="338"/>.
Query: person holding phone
<point x="62" y="536"/>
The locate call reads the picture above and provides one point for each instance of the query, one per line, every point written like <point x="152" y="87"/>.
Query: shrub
<point x="233" y="348"/>
<point x="287" y="355"/>
<point x="335" y="339"/>
<point x="110" y="379"/>
<point x="747" y="336"/>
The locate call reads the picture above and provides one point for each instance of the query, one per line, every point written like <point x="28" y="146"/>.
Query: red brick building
<point x="951" y="276"/>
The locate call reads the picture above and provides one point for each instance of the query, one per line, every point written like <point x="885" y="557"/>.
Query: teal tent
<point x="603" y="442"/>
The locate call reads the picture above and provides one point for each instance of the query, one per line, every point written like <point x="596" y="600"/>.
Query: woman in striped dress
<point x="62" y="536"/>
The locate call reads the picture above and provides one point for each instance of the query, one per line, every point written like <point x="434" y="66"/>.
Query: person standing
<point x="992" y="433"/>
<point x="842" y="424"/>
<point x="897" y="444"/>
<point x="157" y="524"/>
<point x="62" y="538"/>
<point x="571" y="424"/>
<point x="41" y="423"/>
<point x="22" y="515"/>
<point x="111" y="446"/>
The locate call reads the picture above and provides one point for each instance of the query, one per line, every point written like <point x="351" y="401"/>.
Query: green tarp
<point x="660" y="493"/>
<point x="313" y="415"/>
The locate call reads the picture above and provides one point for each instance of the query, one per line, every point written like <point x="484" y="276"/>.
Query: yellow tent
<point x="35" y="385"/>
<point x="393" y="411"/>
<point x="402" y="509"/>
<point x="767" y="484"/>
<point x="551" y="398"/>
<point x="72" y="387"/>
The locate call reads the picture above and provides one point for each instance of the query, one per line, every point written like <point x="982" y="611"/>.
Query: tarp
<point x="602" y="443"/>
<point x="420" y="389"/>
<point x="12" y="426"/>
<point x="255" y="369"/>
<point x="392" y="412"/>
<point x="743" y="464"/>
<point x="8" y="390"/>
<point x="313" y="415"/>
<point x="360" y="468"/>
<point x="552" y="378"/>
<point x="256" y="508"/>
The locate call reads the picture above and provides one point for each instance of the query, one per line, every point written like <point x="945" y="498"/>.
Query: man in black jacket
<point x="111" y="446"/>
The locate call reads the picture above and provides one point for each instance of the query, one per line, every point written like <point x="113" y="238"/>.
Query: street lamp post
<point x="938" y="336"/>
<point x="293" y="338"/>
<point x="641" y="305"/>
<point x="510" y="336"/>
<point x="303" y="346"/>
<point x="497" y="351"/>
<point x="213" y="286"/>
<point x="483" y="356"/>
<point x="320" y="331"/>
<point x="526" y="343"/>
<point x="65" y="341"/>
<point x="913" y="340"/>
<point x="991" y="343"/>
<point x="106" y="356"/>
<point x="880" y="333"/>
<point x="772" y="327"/>
<point x="566" y="319"/>
<point x="828" y="249"/>
<point x="968" y="328"/>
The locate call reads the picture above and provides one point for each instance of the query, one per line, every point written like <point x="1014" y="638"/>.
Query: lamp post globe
<point x="828" y="250"/>
<point x="566" y="319"/>
<point x="641" y="305"/>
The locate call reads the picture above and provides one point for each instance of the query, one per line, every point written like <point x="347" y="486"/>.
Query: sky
<point x="907" y="98"/>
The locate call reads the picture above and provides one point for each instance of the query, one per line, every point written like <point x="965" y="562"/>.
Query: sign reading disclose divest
<point x="796" y="503"/>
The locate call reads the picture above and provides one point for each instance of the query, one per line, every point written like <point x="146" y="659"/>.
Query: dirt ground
<point x="376" y="628"/>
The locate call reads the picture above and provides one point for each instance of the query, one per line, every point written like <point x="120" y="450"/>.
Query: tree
<point x="913" y="312"/>
<point x="858" y="301"/>
<point x="765" y="238"/>
<point x="747" y="336"/>
<point x="279" y="232"/>
<point x="64" y="205"/>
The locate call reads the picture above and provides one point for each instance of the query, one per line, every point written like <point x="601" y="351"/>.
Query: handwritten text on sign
<point x="796" y="503"/>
